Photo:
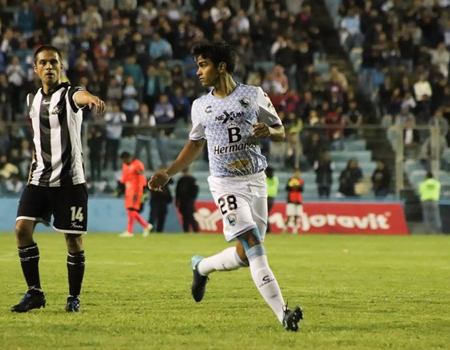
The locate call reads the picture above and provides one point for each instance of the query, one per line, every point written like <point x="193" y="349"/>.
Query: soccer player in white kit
<point x="233" y="117"/>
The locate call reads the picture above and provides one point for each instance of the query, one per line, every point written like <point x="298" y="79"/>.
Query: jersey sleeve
<point x="267" y="112"/>
<point x="73" y="90"/>
<point x="197" y="131"/>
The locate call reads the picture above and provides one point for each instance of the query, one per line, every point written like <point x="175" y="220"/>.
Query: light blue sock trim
<point x="257" y="234"/>
<point x="239" y="260"/>
<point x="255" y="251"/>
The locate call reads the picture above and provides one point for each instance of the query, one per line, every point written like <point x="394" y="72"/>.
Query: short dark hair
<point x="217" y="52"/>
<point x="429" y="175"/>
<point x="46" y="48"/>
<point x="125" y="154"/>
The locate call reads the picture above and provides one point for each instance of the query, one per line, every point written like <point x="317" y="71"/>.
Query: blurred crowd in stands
<point x="405" y="63"/>
<point x="135" y="54"/>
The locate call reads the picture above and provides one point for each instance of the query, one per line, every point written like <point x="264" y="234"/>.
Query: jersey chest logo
<point x="229" y="116"/>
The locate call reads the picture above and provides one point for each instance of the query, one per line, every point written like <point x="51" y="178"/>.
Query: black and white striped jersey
<point x="56" y="122"/>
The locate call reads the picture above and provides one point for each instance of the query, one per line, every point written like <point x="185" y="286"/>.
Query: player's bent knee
<point x="250" y="239"/>
<point x="24" y="232"/>
<point x="74" y="243"/>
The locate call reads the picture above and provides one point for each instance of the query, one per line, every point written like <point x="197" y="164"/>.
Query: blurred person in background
<point x="16" y="79"/>
<point x="324" y="168"/>
<point x="114" y="119"/>
<point x="134" y="181"/>
<point x="350" y="176"/>
<point x="13" y="185"/>
<point x="272" y="191"/>
<point x="165" y="118"/>
<point x="144" y="125"/>
<point x="159" y="202"/>
<point x="95" y="144"/>
<point x="429" y="191"/>
<point x="294" y="206"/>
<point x="185" y="195"/>
<point x="381" y="179"/>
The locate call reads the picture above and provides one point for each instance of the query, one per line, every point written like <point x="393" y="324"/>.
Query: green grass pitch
<point x="357" y="292"/>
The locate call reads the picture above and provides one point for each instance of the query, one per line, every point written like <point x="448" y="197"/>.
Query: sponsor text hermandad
<point x="233" y="148"/>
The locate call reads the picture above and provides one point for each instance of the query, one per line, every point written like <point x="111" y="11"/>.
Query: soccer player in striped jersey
<point x="233" y="117"/>
<point x="56" y="185"/>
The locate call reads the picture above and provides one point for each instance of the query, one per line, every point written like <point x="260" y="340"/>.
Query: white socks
<point x="265" y="280"/>
<point x="227" y="260"/>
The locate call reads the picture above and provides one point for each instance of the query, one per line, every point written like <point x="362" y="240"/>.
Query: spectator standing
<point x="185" y="195"/>
<point x="181" y="105"/>
<point x="5" y="98"/>
<point x="324" y="168"/>
<point x="164" y="116"/>
<point x="381" y="179"/>
<point x="95" y="144"/>
<point x="144" y="124"/>
<point x="153" y="87"/>
<point x="16" y="78"/>
<point x="272" y="192"/>
<point x="114" y="119"/>
<point x="159" y="201"/>
<point x="429" y="191"/>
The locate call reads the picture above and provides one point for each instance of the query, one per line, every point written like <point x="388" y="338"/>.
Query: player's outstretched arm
<point x="85" y="98"/>
<point x="188" y="154"/>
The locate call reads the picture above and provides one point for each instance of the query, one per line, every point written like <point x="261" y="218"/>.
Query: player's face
<point x="48" y="67"/>
<point x="207" y="73"/>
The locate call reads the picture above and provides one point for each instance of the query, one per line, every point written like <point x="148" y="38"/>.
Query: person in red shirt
<point x="294" y="206"/>
<point x="133" y="178"/>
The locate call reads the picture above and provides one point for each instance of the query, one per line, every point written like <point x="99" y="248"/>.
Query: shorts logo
<point x="75" y="225"/>
<point x="231" y="219"/>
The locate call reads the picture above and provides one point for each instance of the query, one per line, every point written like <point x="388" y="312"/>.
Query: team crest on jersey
<point x="245" y="101"/>
<point x="231" y="218"/>
<point x="56" y="110"/>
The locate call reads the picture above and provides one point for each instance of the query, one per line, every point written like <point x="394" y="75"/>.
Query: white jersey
<point x="227" y="125"/>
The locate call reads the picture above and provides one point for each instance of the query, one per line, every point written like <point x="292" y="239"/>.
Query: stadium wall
<point x="108" y="215"/>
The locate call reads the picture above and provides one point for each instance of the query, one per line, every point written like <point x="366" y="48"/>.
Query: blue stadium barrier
<point x="105" y="215"/>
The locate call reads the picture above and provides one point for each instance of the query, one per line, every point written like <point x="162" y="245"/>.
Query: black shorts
<point x="67" y="204"/>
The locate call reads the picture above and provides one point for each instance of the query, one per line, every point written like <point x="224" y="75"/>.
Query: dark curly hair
<point x="217" y="52"/>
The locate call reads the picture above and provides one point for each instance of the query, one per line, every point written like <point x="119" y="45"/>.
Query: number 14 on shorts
<point x="77" y="213"/>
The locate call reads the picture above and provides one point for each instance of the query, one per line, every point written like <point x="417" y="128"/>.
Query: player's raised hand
<point x="97" y="103"/>
<point x="261" y="130"/>
<point x="158" y="180"/>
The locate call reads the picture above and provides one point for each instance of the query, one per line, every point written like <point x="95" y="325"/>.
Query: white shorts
<point x="294" y="209"/>
<point x="242" y="200"/>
